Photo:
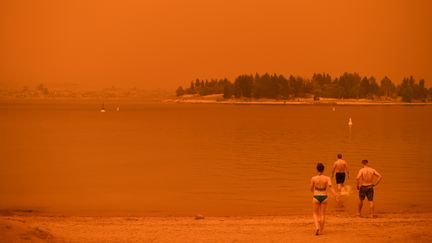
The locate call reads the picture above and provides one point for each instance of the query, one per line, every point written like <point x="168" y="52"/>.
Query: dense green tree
<point x="228" y="90"/>
<point x="197" y="83"/>
<point x="264" y="87"/>
<point x="420" y="91"/>
<point x="284" y="89"/>
<point x="387" y="88"/>
<point x="42" y="89"/>
<point x="191" y="90"/>
<point x="243" y="86"/>
<point x="321" y="85"/>
<point x="364" y="89"/>
<point x="374" y="89"/>
<point x="180" y="91"/>
<point x="348" y="85"/>
<point x="406" y="89"/>
<point x="315" y="85"/>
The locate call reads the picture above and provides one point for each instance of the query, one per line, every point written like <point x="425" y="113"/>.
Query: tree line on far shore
<point x="346" y="86"/>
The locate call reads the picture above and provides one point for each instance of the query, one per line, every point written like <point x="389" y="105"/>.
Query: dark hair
<point x="320" y="167"/>
<point x="339" y="156"/>
<point x="365" y="161"/>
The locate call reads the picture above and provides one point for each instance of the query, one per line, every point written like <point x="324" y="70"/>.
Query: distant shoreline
<point x="212" y="100"/>
<point x="218" y="99"/>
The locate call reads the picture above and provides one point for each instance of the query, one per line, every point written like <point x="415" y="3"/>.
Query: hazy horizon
<point x="165" y="44"/>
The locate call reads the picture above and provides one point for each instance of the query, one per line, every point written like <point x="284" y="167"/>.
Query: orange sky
<point x="166" y="43"/>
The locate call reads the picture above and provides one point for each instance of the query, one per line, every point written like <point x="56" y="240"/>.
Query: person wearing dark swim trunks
<point x="366" y="191"/>
<point x="365" y="185"/>
<point x="340" y="178"/>
<point x="340" y="167"/>
<point x="319" y="185"/>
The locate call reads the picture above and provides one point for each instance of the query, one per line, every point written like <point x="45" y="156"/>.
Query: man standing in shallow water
<point x="341" y="169"/>
<point x="366" y="176"/>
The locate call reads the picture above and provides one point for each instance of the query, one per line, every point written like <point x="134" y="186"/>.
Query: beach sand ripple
<point x="398" y="227"/>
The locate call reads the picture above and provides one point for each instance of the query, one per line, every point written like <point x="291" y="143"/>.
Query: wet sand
<point x="400" y="227"/>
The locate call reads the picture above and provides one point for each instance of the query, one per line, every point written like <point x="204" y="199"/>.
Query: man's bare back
<point x="340" y="169"/>
<point x="340" y="165"/>
<point x="366" y="175"/>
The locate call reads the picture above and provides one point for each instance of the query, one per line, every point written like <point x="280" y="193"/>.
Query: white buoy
<point x="103" y="108"/>
<point x="334" y="108"/>
<point x="350" y="123"/>
<point x="118" y="108"/>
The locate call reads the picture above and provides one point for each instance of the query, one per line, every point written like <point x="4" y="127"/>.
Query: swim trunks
<point x="340" y="177"/>
<point x="320" y="198"/>
<point x="366" y="191"/>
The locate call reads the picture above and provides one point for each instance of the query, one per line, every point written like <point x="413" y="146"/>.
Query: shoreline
<point x="216" y="99"/>
<point x="390" y="227"/>
<point x="326" y="102"/>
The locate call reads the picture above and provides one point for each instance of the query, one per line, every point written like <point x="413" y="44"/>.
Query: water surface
<point x="184" y="159"/>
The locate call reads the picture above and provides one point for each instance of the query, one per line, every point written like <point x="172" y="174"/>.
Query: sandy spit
<point x="299" y="102"/>
<point x="401" y="227"/>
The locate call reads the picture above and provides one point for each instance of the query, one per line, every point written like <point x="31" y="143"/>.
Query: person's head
<point x="365" y="162"/>
<point x="320" y="167"/>
<point x="339" y="156"/>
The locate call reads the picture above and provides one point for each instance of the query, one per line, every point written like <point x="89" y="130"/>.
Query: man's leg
<point x="338" y="182"/>
<point x="342" y="182"/>
<point x="371" y="205"/>
<point x="342" y="187"/>
<point x="362" y="196"/>
<point x="360" y="205"/>
<point x="370" y="194"/>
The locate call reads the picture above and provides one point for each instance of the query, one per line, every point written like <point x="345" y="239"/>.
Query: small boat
<point x="350" y="123"/>
<point x="103" y="108"/>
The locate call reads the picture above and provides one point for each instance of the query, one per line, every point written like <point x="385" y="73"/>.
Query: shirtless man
<point x="341" y="168"/>
<point x="366" y="189"/>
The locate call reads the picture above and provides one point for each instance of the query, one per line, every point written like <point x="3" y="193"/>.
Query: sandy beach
<point x="398" y="227"/>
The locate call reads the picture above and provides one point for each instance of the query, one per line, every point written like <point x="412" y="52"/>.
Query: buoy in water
<point x="350" y="123"/>
<point x="334" y="108"/>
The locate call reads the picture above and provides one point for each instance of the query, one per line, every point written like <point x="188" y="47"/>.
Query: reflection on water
<point x="180" y="159"/>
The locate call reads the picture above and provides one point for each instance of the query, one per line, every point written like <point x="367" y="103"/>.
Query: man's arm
<point x="379" y="177"/>
<point x="334" y="168"/>
<point x="358" y="179"/>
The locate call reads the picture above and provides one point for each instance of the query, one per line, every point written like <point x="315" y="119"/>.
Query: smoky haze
<point x="163" y="44"/>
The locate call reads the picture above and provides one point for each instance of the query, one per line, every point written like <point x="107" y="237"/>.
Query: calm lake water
<point x="185" y="159"/>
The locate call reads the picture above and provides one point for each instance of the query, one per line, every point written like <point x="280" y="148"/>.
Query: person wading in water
<point x="340" y="167"/>
<point x="365" y="177"/>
